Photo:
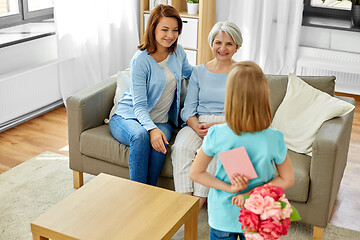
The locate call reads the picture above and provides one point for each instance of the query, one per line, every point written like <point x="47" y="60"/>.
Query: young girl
<point x="145" y="114"/>
<point x="248" y="117"/>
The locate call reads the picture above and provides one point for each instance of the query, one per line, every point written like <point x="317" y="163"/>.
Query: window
<point x="329" y="8"/>
<point x="15" y="12"/>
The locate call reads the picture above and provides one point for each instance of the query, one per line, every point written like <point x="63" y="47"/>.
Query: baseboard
<point x="14" y="122"/>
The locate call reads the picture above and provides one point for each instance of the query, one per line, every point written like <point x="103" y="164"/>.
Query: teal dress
<point x="264" y="149"/>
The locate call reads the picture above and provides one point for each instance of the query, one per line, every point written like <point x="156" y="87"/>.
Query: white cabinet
<point x="188" y="38"/>
<point x="191" y="56"/>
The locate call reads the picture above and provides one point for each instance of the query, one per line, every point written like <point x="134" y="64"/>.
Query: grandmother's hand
<point x="201" y="131"/>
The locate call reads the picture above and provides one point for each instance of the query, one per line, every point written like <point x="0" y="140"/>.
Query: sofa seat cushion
<point x="100" y="144"/>
<point x="299" y="192"/>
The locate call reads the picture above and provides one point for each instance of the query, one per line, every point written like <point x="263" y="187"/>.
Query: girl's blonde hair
<point x="247" y="106"/>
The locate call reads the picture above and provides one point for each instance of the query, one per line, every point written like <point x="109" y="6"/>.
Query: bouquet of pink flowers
<point x="267" y="214"/>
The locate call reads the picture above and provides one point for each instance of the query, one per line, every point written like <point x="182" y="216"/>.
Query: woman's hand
<point x="240" y="183"/>
<point x="157" y="139"/>
<point x="238" y="200"/>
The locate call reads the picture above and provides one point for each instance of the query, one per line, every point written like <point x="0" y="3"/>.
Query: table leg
<point x="191" y="225"/>
<point x="37" y="236"/>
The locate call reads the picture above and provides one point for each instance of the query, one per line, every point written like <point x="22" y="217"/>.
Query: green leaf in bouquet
<point x="283" y="204"/>
<point x="294" y="216"/>
<point x="245" y="197"/>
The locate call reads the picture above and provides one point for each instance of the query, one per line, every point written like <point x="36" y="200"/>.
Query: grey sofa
<point x="93" y="150"/>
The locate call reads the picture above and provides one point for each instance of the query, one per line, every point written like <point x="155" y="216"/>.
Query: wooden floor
<point x="48" y="132"/>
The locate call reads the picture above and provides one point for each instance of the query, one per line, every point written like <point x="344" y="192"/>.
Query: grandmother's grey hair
<point x="229" y="28"/>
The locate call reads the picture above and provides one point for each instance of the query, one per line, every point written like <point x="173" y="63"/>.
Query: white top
<point x="159" y="114"/>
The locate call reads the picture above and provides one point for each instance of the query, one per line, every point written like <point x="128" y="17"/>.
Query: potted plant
<point x="192" y="6"/>
<point x="355" y="11"/>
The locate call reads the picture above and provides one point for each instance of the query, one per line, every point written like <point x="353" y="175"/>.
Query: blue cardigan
<point x="147" y="84"/>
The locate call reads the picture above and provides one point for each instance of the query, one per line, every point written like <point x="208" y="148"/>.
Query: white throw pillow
<point x="302" y="112"/>
<point x="122" y="85"/>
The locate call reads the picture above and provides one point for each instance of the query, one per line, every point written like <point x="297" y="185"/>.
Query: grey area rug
<point x="34" y="186"/>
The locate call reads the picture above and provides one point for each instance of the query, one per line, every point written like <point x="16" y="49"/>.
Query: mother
<point x="204" y="106"/>
<point x="147" y="112"/>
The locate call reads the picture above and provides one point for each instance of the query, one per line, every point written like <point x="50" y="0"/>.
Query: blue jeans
<point x="145" y="163"/>
<point x="220" y="235"/>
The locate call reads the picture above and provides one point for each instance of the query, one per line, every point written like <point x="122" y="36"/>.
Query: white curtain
<point x="96" y="39"/>
<point x="271" y="31"/>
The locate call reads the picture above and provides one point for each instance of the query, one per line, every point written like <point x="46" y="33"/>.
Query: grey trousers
<point x="184" y="149"/>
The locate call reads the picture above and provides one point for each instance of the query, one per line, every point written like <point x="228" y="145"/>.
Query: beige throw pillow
<point x="122" y="85"/>
<point x="302" y="112"/>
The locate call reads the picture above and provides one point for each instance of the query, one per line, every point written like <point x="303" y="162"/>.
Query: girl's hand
<point x="238" y="200"/>
<point x="157" y="139"/>
<point x="240" y="183"/>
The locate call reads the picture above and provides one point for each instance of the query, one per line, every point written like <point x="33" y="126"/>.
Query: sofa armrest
<point x="87" y="109"/>
<point x="329" y="157"/>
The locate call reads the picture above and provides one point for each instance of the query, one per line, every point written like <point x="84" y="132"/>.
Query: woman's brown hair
<point x="247" y="106"/>
<point x="149" y="36"/>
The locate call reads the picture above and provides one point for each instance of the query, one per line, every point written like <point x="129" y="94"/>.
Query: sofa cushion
<point x="99" y="143"/>
<point x="122" y="85"/>
<point x="299" y="192"/>
<point x="278" y="85"/>
<point x="303" y="111"/>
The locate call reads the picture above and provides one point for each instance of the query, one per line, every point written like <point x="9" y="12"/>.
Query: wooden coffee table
<point x="110" y="207"/>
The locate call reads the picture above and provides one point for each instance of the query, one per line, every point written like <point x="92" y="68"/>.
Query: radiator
<point x="344" y="66"/>
<point x="27" y="93"/>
